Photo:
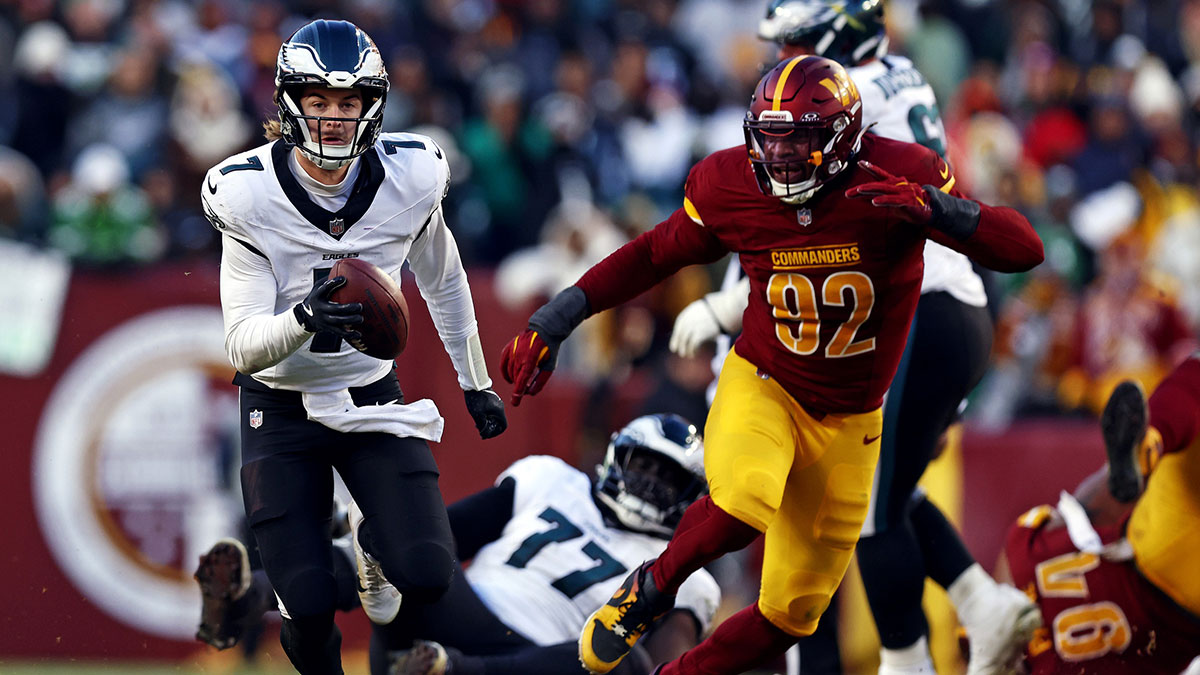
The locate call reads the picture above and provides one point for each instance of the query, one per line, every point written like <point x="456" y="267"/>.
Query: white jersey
<point x="557" y="560"/>
<point x="901" y="105"/>
<point x="278" y="243"/>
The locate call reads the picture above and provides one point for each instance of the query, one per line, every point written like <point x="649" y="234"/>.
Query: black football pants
<point x="287" y="486"/>
<point x="946" y="356"/>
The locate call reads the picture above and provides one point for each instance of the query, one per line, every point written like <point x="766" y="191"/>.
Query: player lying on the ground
<point x="1120" y="593"/>
<point x="547" y="544"/>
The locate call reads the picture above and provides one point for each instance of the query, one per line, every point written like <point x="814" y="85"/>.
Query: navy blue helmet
<point x="338" y="55"/>
<point x="653" y="470"/>
<point x="847" y="32"/>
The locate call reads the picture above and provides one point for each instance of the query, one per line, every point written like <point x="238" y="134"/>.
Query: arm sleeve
<point x="1004" y="241"/>
<point x="479" y="519"/>
<point x="653" y="256"/>
<point x="442" y="281"/>
<point x="255" y="337"/>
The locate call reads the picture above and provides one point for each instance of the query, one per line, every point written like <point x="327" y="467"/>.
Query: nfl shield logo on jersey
<point x="337" y="226"/>
<point x="804" y="217"/>
<point x="255" y="419"/>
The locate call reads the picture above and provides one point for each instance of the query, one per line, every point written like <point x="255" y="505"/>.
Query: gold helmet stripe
<point x="787" y="70"/>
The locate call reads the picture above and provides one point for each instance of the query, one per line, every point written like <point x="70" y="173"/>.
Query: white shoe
<point x="999" y="638"/>
<point x="379" y="598"/>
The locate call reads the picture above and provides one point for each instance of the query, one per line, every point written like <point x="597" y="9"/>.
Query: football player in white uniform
<point x="329" y="186"/>
<point x="905" y="536"/>
<point x="546" y="543"/>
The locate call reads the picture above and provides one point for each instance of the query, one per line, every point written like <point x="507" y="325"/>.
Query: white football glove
<point x="706" y="318"/>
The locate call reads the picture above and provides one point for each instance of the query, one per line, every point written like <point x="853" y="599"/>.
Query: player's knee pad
<point x="308" y="592"/>
<point x="794" y="602"/>
<point x="421" y="571"/>
<point x="839" y="520"/>
<point x="799" y="617"/>
<point x="752" y="496"/>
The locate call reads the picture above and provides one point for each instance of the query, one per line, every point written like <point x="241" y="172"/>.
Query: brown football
<point x="385" y="313"/>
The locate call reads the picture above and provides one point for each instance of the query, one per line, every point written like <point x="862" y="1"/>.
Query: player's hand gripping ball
<point x="384" y="328"/>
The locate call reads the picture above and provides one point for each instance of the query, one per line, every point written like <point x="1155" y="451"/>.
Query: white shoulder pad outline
<point x="226" y="195"/>
<point x="536" y="469"/>
<point x="390" y="143"/>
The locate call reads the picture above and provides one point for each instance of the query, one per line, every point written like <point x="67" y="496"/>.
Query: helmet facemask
<point x="643" y="483"/>
<point x="363" y="130"/>
<point x="333" y="55"/>
<point x="793" y="160"/>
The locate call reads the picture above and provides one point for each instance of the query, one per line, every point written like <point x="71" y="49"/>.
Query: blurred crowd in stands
<point x="571" y="125"/>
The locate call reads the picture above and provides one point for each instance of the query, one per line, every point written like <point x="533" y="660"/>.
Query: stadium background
<point x="570" y="127"/>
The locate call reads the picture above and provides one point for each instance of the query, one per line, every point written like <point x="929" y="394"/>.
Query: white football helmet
<point x="652" y="472"/>
<point x="339" y="55"/>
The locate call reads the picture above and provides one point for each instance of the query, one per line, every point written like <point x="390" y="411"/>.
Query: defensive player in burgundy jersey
<point x="1122" y="596"/>
<point x="906" y="536"/>
<point x="830" y="224"/>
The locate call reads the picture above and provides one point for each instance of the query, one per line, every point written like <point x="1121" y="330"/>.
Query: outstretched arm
<point x="679" y="241"/>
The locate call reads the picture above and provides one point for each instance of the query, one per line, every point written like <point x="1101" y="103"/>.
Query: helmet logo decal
<point x="840" y="89"/>
<point x="780" y="116"/>
<point x="777" y="98"/>
<point x="809" y="116"/>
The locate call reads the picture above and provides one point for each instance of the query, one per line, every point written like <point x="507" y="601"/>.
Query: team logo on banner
<point x="255" y="419"/>
<point x="129" y="467"/>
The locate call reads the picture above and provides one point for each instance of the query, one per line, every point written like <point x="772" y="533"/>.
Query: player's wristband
<point x="556" y="319"/>
<point x="957" y="217"/>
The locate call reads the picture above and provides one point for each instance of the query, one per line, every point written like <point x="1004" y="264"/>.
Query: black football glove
<point x="487" y="410"/>
<point x="318" y="313"/>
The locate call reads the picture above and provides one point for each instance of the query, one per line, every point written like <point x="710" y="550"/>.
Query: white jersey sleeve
<point x="442" y="281"/>
<point x="255" y="338"/>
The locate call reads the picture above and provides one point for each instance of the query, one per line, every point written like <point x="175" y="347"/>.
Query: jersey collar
<point x="333" y="223"/>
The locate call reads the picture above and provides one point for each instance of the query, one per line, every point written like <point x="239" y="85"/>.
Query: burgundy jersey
<point x="1100" y="617"/>
<point x="834" y="281"/>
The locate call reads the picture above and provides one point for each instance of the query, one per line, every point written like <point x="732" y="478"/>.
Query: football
<point x="385" y="313"/>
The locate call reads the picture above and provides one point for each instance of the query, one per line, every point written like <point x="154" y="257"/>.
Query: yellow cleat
<point x="612" y="631"/>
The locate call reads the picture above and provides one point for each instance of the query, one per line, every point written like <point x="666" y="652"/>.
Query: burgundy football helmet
<point x="803" y="126"/>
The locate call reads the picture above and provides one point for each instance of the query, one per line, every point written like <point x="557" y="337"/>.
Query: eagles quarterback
<point x="329" y="186"/>
<point x="830" y="223"/>
<point x="905" y="536"/>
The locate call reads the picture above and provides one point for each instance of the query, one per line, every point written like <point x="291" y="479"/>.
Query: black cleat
<point x="224" y="576"/>
<point x="1123" y="424"/>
